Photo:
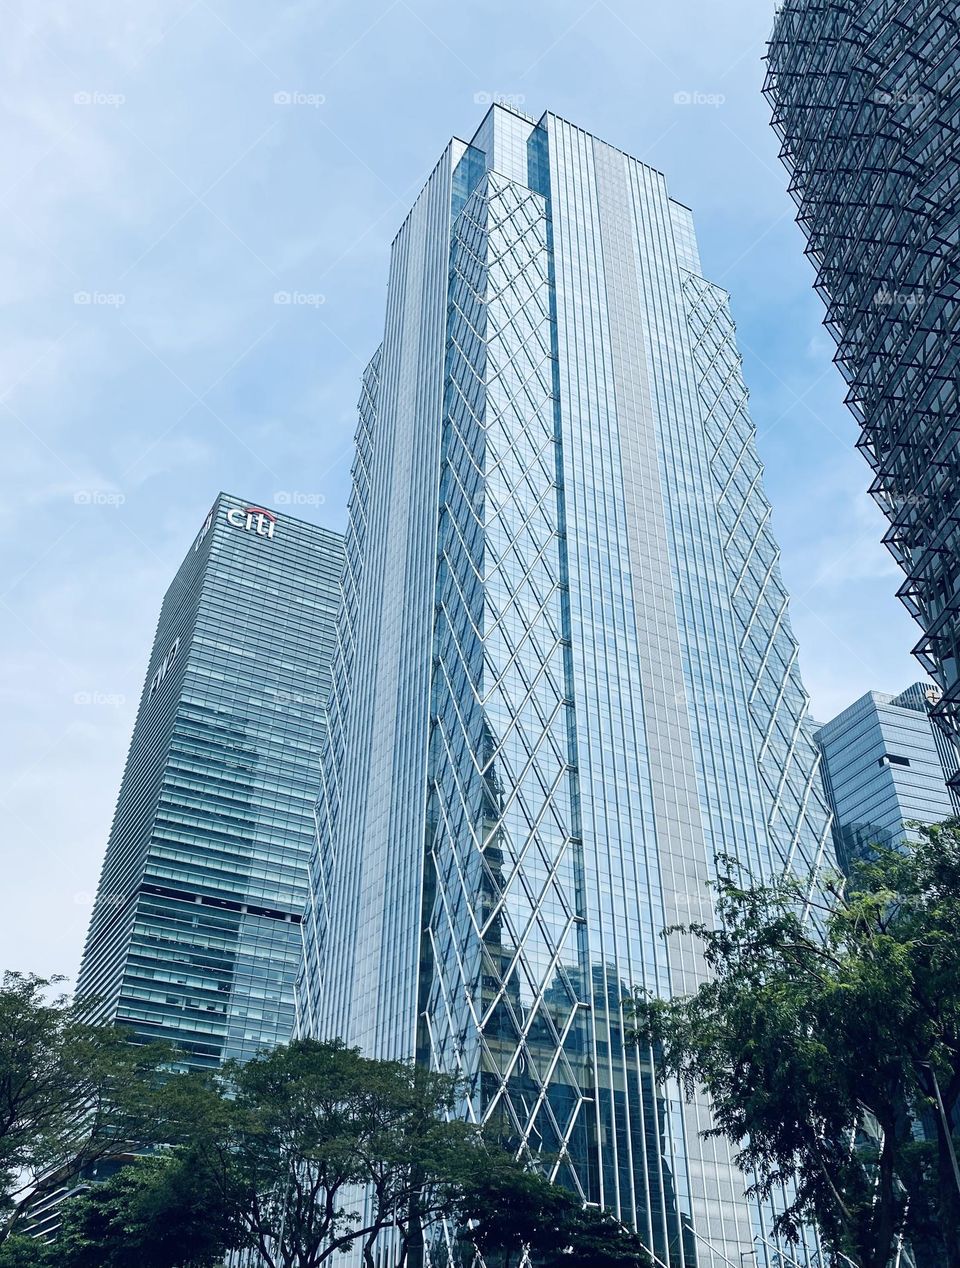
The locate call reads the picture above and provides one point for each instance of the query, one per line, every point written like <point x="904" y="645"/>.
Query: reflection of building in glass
<point x="885" y="765"/>
<point x="195" y="935"/>
<point x="866" y="99"/>
<point x="565" y="676"/>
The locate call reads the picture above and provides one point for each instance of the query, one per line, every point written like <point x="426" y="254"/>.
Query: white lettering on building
<point x="207" y="525"/>
<point x="165" y="664"/>
<point x="252" y="519"/>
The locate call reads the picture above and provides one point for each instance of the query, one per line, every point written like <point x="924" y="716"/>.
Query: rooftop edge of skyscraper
<point x="279" y="509"/>
<point x="532" y="123"/>
<point x="909" y="698"/>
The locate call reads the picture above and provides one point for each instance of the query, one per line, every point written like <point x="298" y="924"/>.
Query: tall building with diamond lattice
<point x="866" y="100"/>
<point x="565" y="677"/>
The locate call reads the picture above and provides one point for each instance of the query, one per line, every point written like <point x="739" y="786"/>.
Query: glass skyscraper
<point x="565" y="677"/>
<point x="866" y="100"/>
<point x="885" y="766"/>
<point x="195" y="934"/>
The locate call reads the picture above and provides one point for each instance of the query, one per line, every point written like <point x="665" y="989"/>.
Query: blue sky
<point x="169" y="168"/>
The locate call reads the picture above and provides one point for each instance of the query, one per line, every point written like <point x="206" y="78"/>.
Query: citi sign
<point x="252" y="519"/>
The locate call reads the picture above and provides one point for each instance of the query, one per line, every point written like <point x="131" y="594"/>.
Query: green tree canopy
<point x="828" y="1040"/>
<point x="314" y="1148"/>
<point x="508" y="1210"/>
<point x="298" y="1154"/>
<point x="158" y="1212"/>
<point x="19" y="1251"/>
<point x="71" y="1093"/>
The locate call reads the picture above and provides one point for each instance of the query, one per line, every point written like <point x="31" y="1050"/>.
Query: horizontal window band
<point x="221" y="904"/>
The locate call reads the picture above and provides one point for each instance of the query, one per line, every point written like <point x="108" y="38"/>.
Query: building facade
<point x="195" y="933"/>
<point x="565" y="677"/>
<point x="885" y="767"/>
<point x="866" y="100"/>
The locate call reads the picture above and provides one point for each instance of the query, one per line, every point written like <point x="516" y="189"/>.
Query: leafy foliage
<point x="313" y="1147"/>
<point x="508" y="1210"/>
<point x="158" y="1212"/>
<point x="297" y="1155"/>
<point x="830" y="1022"/>
<point x="595" y="1237"/>
<point x="70" y="1092"/>
<point x="18" y="1251"/>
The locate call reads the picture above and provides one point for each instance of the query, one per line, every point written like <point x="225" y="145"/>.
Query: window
<point x="891" y="759"/>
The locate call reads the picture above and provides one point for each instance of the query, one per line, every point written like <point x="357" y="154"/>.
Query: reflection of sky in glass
<point x="567" y="677"/>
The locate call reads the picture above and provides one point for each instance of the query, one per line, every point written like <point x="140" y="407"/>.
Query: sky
<point x="197" y="200"/>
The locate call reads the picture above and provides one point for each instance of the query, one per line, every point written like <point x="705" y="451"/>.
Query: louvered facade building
<point x="195" y="934"/>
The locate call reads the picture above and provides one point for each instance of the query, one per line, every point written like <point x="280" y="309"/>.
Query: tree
<point x="829" y="1043"/>
<point x="18" y="1251"/>
<point x="313" y="1147"/>
<point x="508" y="1211"/>
<point x="71" y="1093"/>
<point x="505" y="1208"/>
<point x="157" y="1212"/>
<point x="597" y="1238"/>
<point x="298" y="1154"/>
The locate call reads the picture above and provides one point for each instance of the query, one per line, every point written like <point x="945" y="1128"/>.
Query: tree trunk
<point x="949" y="1200"/>
<point x="886" y="1223"/>
<point x="413" y="1236"/>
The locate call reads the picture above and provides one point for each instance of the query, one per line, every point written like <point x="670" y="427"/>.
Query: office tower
<point x="866" y="100"/>
<point x="885" y="767"/>
<point x="195" y="934"/>
<point x="565" y="677"/>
